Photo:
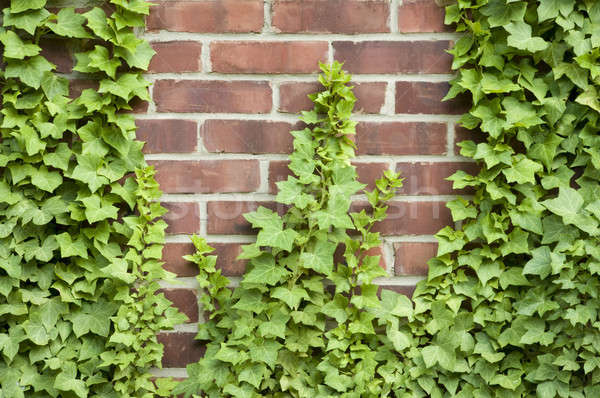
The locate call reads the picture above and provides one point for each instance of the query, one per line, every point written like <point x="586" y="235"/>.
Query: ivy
<point x="305" y="321"/>
<point x="510" y="305"/>
<point x="80" y="229"/>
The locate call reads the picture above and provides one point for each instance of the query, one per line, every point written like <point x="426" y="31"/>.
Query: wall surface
<point x="230" y="77"/>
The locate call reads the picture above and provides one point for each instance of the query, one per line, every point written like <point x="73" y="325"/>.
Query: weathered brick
<point x="401" y="138"/>
<point x="412" y="218"/>
<point x="182" y="217"/>
<point x="226" y="258"/>
<point x="227" y="217"/>
<point x="167" y="135"/>
<point x="180" y="349"/>
<point x="212" y="96"/>
<point x="426" y="97"/>
<point x="246" y="136"/>
<point x="407" y="290"/>
<point x="76" y="86"/>
<point x="367" y="173"/>
<point x="429" y="178"/>
<point x="226" y="253"/>
<point x="415" y="16"/>
<point x="411" y="257"/>
<point x="293" y="97"/>
<point x="207" y="176"/>
<point x="463" y="134"/>
<point x="185" y="300"/>
<point x="334" y="16"/>
<point x="207" y="16"/>
<point x="267" y="57"/>
<point x="176" y="57"/>
<point x="394" y="56"/>
<point x="58" y="52"/>
<point x="173" y="257"/>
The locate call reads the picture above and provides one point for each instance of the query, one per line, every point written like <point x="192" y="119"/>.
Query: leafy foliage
<point x="80" y="238"/>
<point x="285" y="331"/>
<point x="510" y="306"/>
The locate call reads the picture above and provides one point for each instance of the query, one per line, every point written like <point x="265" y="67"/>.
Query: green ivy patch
<point x="305" y="322"/>
<point x="80" y="235"/>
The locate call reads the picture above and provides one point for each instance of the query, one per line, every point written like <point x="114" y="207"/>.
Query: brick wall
<point x="230" y="77"/>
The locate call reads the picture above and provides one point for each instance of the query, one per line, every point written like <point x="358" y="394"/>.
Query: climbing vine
<point x="510" y="305"/>
<point x="80" y="235"/>
<point x="285" y="331"/>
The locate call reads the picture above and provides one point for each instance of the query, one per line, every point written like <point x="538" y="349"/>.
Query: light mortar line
<point x="203" y="217"/>
<point x="263" y="166"/>
<point x="275" y="97"/>
<point x="257" y="37"/>
<point x="192" y="283"/>
<point x="169" y="372"/>
<point x="263" y="197"/>
<point x="363" y="159"/>
<point x="330" y="52"/>
<point x="267" y="27"/>
<point x="389" y="106"/>
<point x="205" y="57"/>
<point x="151" y="104"/>
<point x="293" y="118"/>
<point x="300" y="78"/>
<point x="394" y="16"/>
<point x="398" y="280"/>
<point x="450" y="140"/>
<point x="388" y="256"/>
<point x="184" y="328"/>
<point x="213" y="238"/>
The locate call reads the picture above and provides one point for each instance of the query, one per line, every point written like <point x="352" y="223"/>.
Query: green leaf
<point x="15" y="48"/>
<point x="101" y="59"/>
<point x="46" y="180"/>
<point x="28" y="20"/>
<point x="99" y="208"/>
<point x="66" y="381"/>
<point x="264" y="270"/>
<point x="69" y="24"/>
<point x="139" y="58"/>
<point x="17" y="6"/>
<point x="540" y="263"/>
<point x="522" y="171"/>
<point x="30" y="71"/>
<point x="550" y="9"/>
<point x="70" y="248"/>
<point x="520" y="37"/>
<point x="319" y="258"/>
<point x="276" y="237"/>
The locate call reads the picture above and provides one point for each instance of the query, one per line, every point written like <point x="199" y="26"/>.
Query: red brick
<point x="330" y="16"/>
<point x="407" y="290"/>
<point x="412" y="257"/>
<point x="267" y="57"/>
<point x="225" y="252"/>
<point x="367" y="173"/>
<point x="182" y="218"/>
<point x="173" y="257"/>
<point x="401" y="138"/>
<point x="415" y="16"/>
<point x="76" y="86"/>
<point x="227" y="217"/>
<point x="58" y="52"/>
<point x="138" y="106"/>
<point x="412" y="218"/>
<point x="246" y="136"/>
<point x="394" y="56"/>
<point x="425" y="97"/>
<point x="226" y="262"/>
<point x="167" y="135"/>
<point x="185" y="300"/>
<point x="207" y="176"/>
<point x="214" y="16"/>
<point x="429" y="178"/>
<point x="176" y="56"/>
<point x="463" y="134"/>
<point x="212" y="96"/>
<point x="180" y="349"/>
<point x="294" y="96"/>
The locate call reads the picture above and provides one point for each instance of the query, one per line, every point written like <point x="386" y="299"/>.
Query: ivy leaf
<point x="69" y="24"/>
<point x="520" y="37"/>
<point x="99" y="208"/>
<point x="523" y="171"/>
<point x="46" y="180"/>
<point x="265" y="270"/>
<point x="550" y="9"/>
<point x="28" y="21"/>
<point x="540" y="263"/>
<point x="320" y="258"/>
<point x="97" y="22"/>
<point x="66" y="381"/>
<point x="15" y="48"/>
<point x="17" y="6"/>
<point x="101" y="59"/>
<point x="70" y="248"/>
<point x="30" y="71"/>
<point x="139" y="58"/>
<point x="276" y="237"/>
<point x="292" y="297"/>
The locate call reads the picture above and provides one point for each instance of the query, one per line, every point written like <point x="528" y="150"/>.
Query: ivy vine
<point x="284" y="331"/>
<point x="80" y="234"/>
<point x="510" y="305"/>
